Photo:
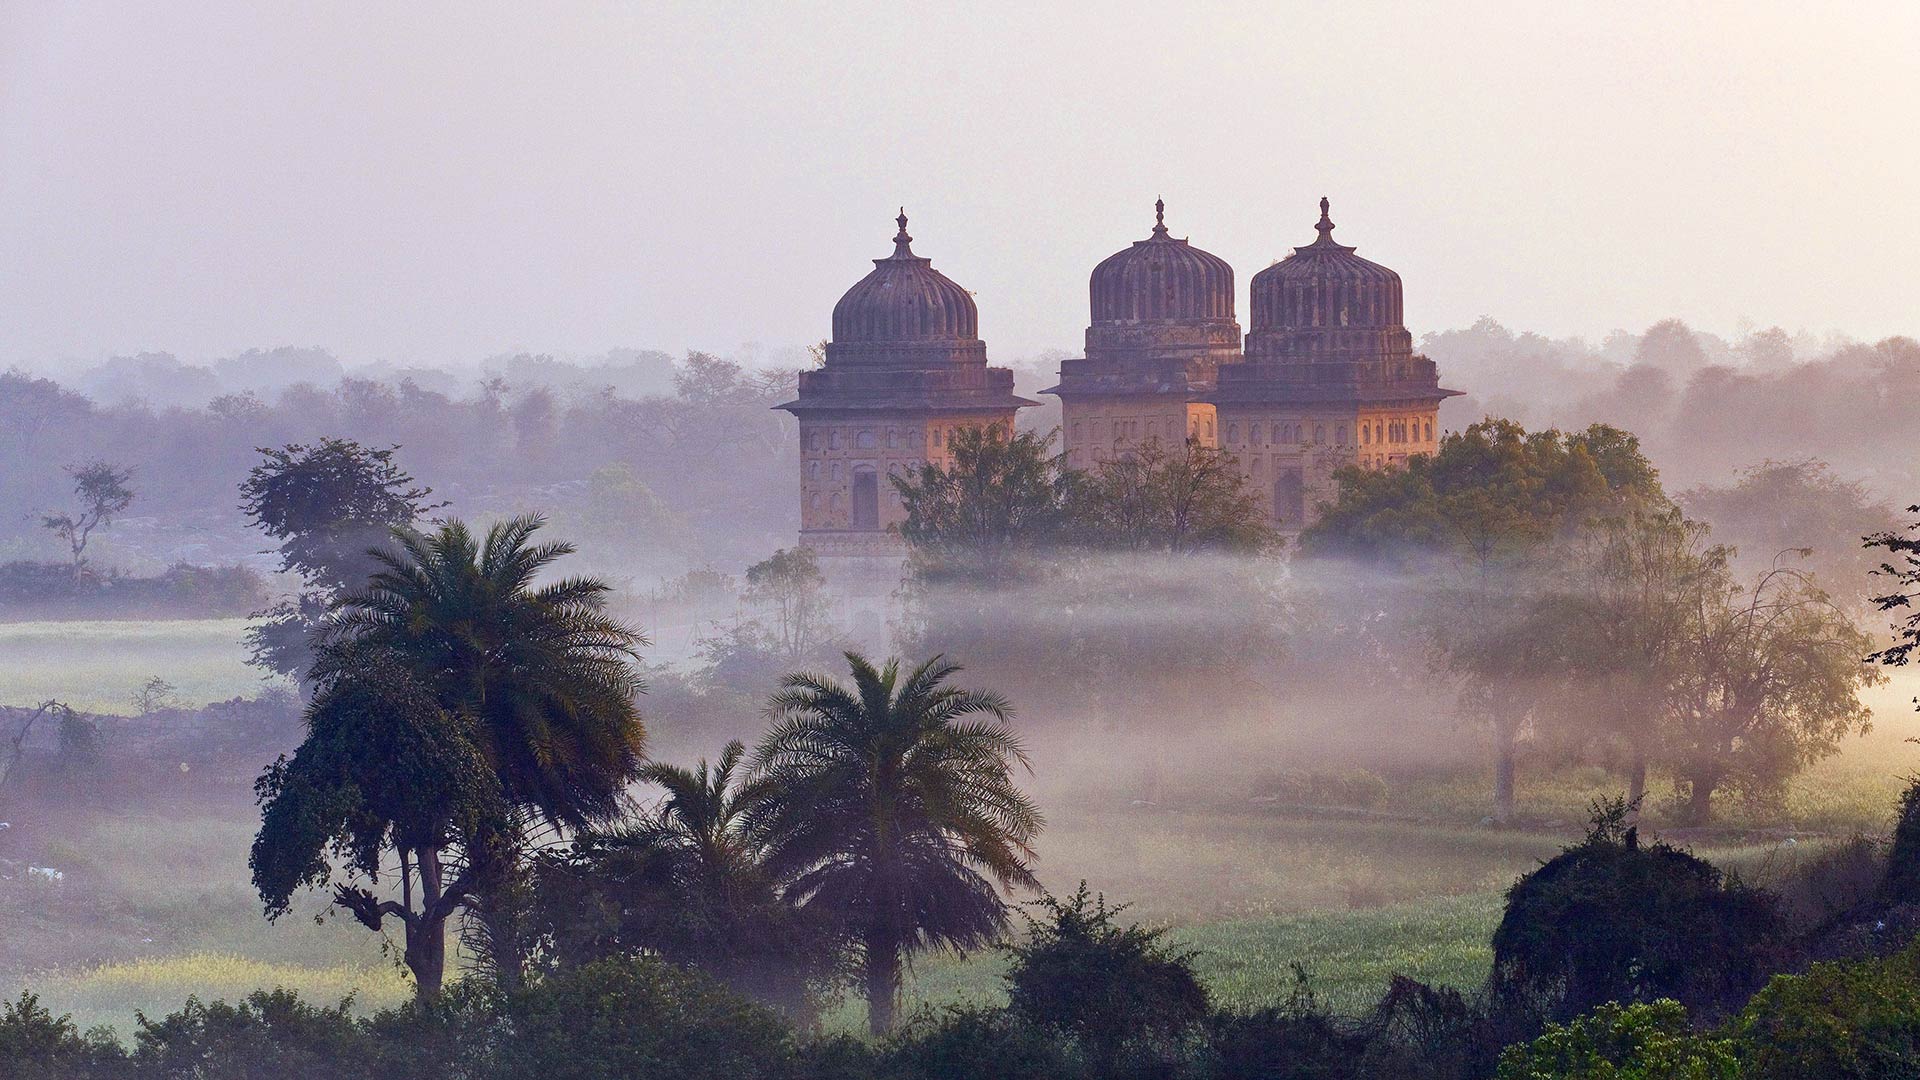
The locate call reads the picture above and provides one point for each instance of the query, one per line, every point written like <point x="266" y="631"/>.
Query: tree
<point x="542" y="673"/>
<point x="1780" y="505"/>
<point x="890" y="807"/>
<point x="688" y="882"/>
<point x="1640" y="581"/>
<point x="1902" y="571"/>
<point x="1178" y="499"/>
<point x="1481" y="528"/>
<point x="1611" y="919"/>
<point x="790" y="584"/>
<point x="103" y="494"/>
<point x="1768" y="683"/>
<point x="329" y="504"/>
<point x="1003" y="497"/>
<point x="1111" y="988"/>
<point x="383" y="767"/>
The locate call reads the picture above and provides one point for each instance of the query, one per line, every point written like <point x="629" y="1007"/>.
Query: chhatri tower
<point x="905" y="368"/>
<point x="1328" y="378"/>
<point x="1162" y="327"/>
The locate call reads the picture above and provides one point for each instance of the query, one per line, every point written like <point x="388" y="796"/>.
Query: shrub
<point x="271" y="1034"/>
<point x="1642" y="1041"/>
<point x="36" y="1045"/>
<point x="1858" y="1019"/>
<point x="1115" y="990"/>
<point x="1297" y="1040"/>
<point x="1610" y="920"/>
<point x="618" y="1019"/>
<point x="973" y="1042"/>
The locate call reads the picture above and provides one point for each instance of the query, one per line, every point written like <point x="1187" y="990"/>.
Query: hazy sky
<point x="432" y="183"/>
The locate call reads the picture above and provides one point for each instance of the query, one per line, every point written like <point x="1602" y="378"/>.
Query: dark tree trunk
<point x="1506" y="733"/>
<point x="1700" y="799"/>
<point x="426" y="947"/>
<point x="1636" y="783"/>
<point x="882" y="964"/>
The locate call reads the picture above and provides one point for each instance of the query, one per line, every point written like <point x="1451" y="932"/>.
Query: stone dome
<point x="905" y="301"/>
<point x="1161" y="279"/>
<point x="1324" y="286"/>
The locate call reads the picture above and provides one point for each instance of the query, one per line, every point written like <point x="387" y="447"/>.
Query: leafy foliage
<point x="1610" y="919"/>
<point x="687" y="882"/>
<point x="889" y="806"/>
<point x="624" y="1018"/>
<point x="102" y="492"/>
<point x="1850" y="1021"/>
<point x="329" y="504"/>
<point x="1003" y="497"/>
<point x="1110" y="988"/>
<point x="1642" y="1041"/>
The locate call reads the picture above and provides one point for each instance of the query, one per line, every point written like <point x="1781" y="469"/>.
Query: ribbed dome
<point x="904" y="300"/>
<point x="1161" y="279"/>
<point x="1325" y="285"/>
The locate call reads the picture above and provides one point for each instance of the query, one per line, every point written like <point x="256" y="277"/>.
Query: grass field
<point x="96" y="665"/>
<point x="157" y="908"/>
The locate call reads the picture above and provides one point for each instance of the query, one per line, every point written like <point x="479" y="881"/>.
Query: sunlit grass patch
<point x="95" y="665"/>
<point x="112" y="993"/>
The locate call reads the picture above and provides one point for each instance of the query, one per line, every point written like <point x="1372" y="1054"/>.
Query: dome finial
<point x="900" y="239"/>
<point x="1325" y="228"/>
<point x="1159" y="217"/>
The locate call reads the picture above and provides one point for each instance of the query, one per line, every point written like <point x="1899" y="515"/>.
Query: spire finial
<point x="900" y="239"/>
<point x="1159" y="217"/>
<point x="1325" y="228"/>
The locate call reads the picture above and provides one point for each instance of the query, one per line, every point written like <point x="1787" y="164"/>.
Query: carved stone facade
<point x="904" y="370"/>
<point x="1162" y="326"/>
<point x="1328" y="378"/>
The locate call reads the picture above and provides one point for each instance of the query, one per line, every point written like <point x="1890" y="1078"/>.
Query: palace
<point x="1327" y="378"/>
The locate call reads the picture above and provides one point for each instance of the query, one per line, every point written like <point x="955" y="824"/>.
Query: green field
<point x="158" y="908"/>
<point x="96" y="665"/>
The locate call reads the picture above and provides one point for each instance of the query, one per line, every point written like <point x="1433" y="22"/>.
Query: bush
<point x="619" y="1019"/>
<point x="1839" y="1020"/>
<point x="1115" y="990"/>
<point x="1610" y="920"/>
<point x="1644" y="1041"/>
<point x="272" y="1034"/>
<point x="36" y="1045"/>
<point x="972" y="1042"/>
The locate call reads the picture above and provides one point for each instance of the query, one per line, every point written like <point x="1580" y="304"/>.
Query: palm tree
<point x="687" y="880"/>
<point x="542" y="672"/>
<point x="890" y="805"/>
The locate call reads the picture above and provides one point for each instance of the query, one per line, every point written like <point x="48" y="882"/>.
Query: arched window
<point x="893" y="438"/>
<point x="1253" y="434"/>
<point x="1340" y="435"/>
<point x="1076" y="429"/>
<point x="813" y="470"/>
<point x="1429" y="431"/>
<point x="836" y="472"/>
<point x="936" y="436"/>
<point x="1256" y="467"/>
<point x="1319" y="434"/>
<point x="1366" y="436"/>
<point x="1233" y="434"/>
<point x="866" y="440"/>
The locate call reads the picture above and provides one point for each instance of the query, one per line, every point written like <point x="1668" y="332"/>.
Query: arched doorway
<point x="1289" y="497"/>
<point x="866" y="498"/>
